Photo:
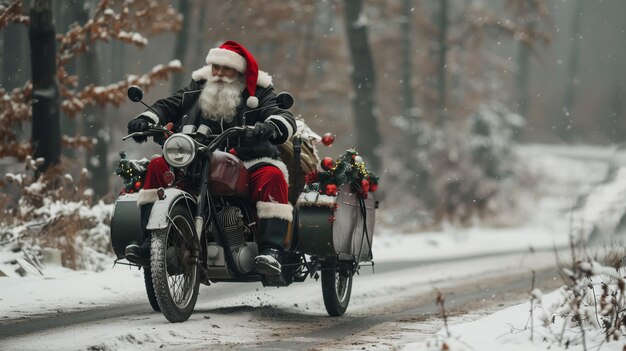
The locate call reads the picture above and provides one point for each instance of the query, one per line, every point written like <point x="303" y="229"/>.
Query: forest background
<point x="435" y="94"/>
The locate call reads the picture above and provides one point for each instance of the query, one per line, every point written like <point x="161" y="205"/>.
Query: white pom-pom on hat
<point x="252" y="102"/>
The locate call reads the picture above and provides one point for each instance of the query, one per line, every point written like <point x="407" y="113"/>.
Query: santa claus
<point x="217" y="96"/>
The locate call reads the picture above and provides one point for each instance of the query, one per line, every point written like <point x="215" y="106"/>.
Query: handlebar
<point x="152" y="131"/>
<point x="212" y="146"/>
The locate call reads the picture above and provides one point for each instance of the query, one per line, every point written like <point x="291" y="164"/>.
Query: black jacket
<point x="183" y="108"/>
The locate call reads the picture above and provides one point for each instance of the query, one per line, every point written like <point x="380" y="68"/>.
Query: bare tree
<point x="363" y="81"/>
<point x="405" y="30"/>
<point x="530" y="16"/>
<point x="95" y="126"/>
<point x="180" y="49"/>
<point x="46" y="130"/>
<point x="442" y="61"/>
<point x="14" y="50"/>
<point x="573" y="68"/>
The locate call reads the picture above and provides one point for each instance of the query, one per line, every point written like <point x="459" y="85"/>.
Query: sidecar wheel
<point x="147" y="277"/>
<point x="174" y="273"/>
<point x="336" y="288"/>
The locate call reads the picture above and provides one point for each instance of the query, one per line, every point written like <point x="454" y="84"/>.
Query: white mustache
<point x="223" y="79"/>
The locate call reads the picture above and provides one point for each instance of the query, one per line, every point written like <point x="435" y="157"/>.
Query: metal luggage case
<point x="334" y="226"/>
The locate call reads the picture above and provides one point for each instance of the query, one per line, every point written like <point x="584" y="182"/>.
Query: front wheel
<point x="336" y="288"/>
<point x="147" y="277"/>
<point x="174" y="272"/>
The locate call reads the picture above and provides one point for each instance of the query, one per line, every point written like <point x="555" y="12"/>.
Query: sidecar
<point x="126" y="224"/>
<point x="340" y="227"/>
<point x="338" y="232"/>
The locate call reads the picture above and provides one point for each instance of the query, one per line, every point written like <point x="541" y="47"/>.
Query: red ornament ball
<point x="373" y="187"/>
<point x="328" y="163"/>
<point x="365" y="185"/>
<point x="137" y="185"/>
<point x="328" y="139"/>
<point x="331" y="190"/>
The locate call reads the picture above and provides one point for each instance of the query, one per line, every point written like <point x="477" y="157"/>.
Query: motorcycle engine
<point x="231" y="219"/>
<point x="236" y="231"/>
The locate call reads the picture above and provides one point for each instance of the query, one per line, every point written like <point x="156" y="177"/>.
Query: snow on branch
<point x="12" y="13"/>
<point x="116" y="93"/>
<point x="150" y="17"/>
<point x="77" y="142"/>
<point x="15" y="109"/>
<point x="134" y="17"/>
<point x="480" y="21"/>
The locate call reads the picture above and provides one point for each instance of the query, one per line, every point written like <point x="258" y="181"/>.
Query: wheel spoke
<point x="181" y="281"/>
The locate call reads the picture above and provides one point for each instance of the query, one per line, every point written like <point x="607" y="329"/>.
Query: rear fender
<point x="162" y="208"/>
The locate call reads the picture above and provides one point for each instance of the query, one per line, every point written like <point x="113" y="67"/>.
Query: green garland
<point x="349" y="168"/>
<point x="132" y="172"/>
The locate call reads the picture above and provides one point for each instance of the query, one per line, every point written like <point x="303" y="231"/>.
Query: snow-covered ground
<point x="576" y="193"/>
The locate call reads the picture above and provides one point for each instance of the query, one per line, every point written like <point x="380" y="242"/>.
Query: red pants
<point x="267" y="183"/>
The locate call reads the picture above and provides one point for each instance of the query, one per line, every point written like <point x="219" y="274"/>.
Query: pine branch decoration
<point x="349" y="168"/>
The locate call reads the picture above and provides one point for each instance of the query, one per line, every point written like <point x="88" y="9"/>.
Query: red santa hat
<point x="233" y="54"/>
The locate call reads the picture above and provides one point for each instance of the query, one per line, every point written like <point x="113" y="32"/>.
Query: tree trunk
<point x="364" y="82"/>
<point x="46" y="131"/>
<point x="573" y="68"/>
<point x="407" y="89"/>
<point x="443" y="51"/>
<point x="529" y="13"/>
<point x="180" y="49"/>
<point x="94" y="121"/>
<point x="200" y="52"/>
<point x="522" y="80"/>
<point x="66" y="14"/>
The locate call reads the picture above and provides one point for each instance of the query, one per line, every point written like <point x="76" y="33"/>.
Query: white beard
<point x="221" y="97"/>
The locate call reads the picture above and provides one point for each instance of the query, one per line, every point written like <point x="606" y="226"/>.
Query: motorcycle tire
<point x="147" y="277"/>
<point x="336" y="289"/>
<point x="174" y="275"/>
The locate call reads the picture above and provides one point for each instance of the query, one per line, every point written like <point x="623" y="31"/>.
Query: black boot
<point x="268" y="262"/>
<point x="140" y="253"/>
<point x="272" y="232"/>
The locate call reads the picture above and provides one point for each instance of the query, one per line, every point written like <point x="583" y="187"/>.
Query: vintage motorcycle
<point x="204" y="232"/>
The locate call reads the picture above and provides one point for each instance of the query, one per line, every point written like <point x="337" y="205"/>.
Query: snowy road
<point x="241" y="316"/>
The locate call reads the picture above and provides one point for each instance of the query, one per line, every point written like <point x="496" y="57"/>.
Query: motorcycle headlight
<point x="179" y="150"/>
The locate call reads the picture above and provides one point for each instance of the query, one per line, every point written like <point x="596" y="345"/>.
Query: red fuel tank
<point x="229" y="176"/>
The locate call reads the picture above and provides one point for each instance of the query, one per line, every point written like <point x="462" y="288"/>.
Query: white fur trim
<point x="252" y="102"/>
<point x="282" y="120"/>
<point x="224" y="57"/>
<point x="152" y="116"/>
<point x="306" y="132"/>
<point x="274" y="210"/>
<point x="274" y="162"/>
<point x="264" y="80"/>
<point x="203" y="73"/>
<point x="147" y="196"/>
<point x="315" y="199"/>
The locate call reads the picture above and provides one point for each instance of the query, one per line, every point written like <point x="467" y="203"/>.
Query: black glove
<point x="264" y="131"/>
<point x="138" y="125"/>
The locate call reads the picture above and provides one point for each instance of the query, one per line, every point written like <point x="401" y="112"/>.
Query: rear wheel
<point x="336" y="288"/>
<point x="174" y="272"/>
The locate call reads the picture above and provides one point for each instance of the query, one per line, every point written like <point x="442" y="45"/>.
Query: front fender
<point x="161" y="209"/>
